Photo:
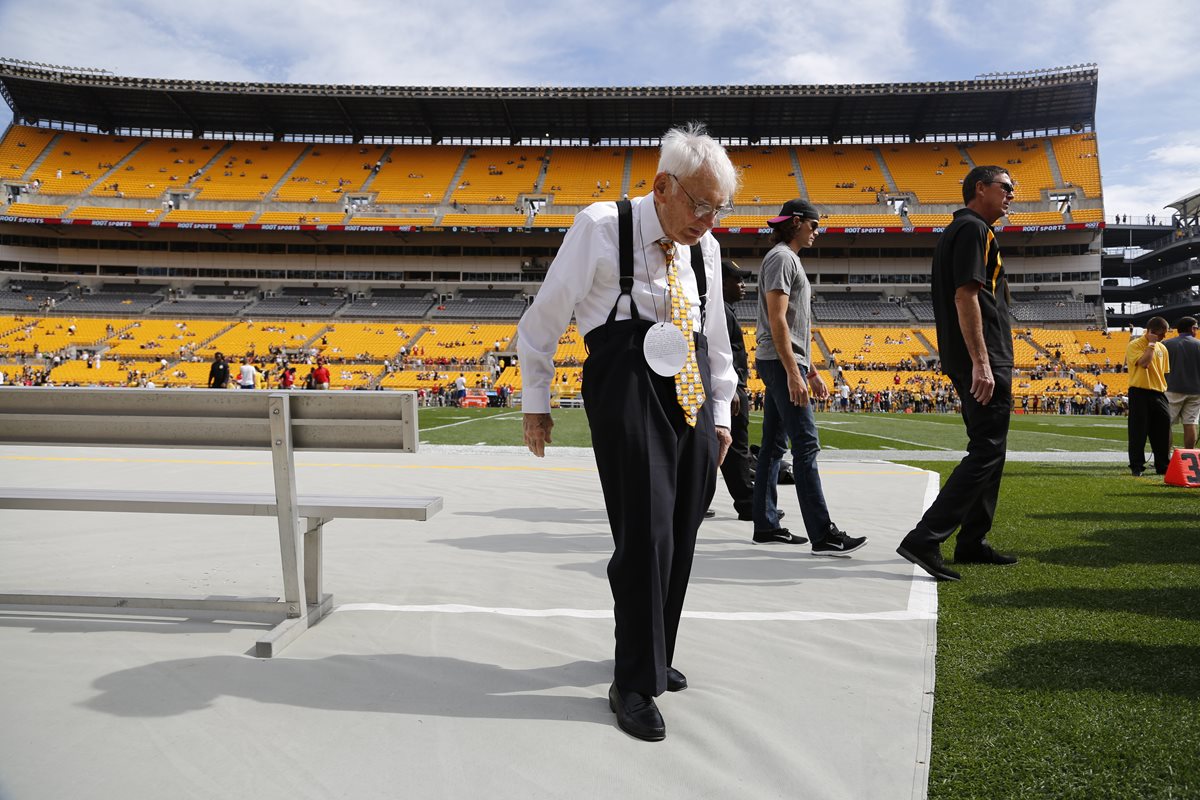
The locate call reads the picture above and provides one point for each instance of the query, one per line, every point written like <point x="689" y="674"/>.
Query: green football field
<point x="1074" y="674"/>
<point x="1030" y="433"/>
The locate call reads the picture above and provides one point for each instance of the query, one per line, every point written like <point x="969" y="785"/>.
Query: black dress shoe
<point x="709" y="514"/>
<point x="637" y="715"/>
<point x="981" y="554"/>
<point x="928" y="558"/>
<point x="676" y="680"/>
<point x="778" y="536"/>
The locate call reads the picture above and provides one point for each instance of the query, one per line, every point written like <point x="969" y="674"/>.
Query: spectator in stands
<point x="657" y="459"/>
<point x="1149" y="411"/>
<point x="735" y="469"/>
<point x="971" y="311"/>
<point x="248" y="375"/>
<point x="320" y="375"/>
<point x="218" y="373"/>
<point x="1183" y="381"/>
<point x="784" y="363"/>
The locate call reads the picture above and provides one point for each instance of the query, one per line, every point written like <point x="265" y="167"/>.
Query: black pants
<point x="968" y="500"/>
<point x="735" y="469"/>
<point x="658" y="475"/>
<point x="1149" y="415"/>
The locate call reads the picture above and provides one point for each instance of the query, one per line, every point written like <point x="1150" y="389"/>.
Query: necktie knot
<point x="668" y="248"/>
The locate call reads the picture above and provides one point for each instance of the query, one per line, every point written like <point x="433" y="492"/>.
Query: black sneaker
<point x="928" y="559"/>
<point x="982" y="554"/>
<point x="778" y="536"/>
<point x="837" y="543"/>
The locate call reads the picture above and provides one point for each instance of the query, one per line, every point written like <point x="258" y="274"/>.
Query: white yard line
<point x="468" y="421"/>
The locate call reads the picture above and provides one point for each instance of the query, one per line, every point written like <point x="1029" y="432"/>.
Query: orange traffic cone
<point x="1184" y="469"/>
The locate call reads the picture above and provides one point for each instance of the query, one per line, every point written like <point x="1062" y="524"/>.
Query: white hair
<point x="688" y="149"/>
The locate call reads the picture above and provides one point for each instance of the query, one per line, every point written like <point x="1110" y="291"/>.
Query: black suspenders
<point x="625" y="244"/>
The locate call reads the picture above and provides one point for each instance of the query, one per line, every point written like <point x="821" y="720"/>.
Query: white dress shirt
<point x="585" y="279"/>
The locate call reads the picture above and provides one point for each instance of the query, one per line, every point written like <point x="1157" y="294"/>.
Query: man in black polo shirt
<point x="970" y="305"/>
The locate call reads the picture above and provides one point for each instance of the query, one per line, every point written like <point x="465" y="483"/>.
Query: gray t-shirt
<point x="781" y="270"/>
<point x="1184" y="354"/>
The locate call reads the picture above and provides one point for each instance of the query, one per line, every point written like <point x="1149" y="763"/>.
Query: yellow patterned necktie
<point x="688" y="388"/>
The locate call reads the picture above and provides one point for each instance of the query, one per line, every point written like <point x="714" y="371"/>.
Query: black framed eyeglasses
<point x="1007" y="187"/>
<point x="702" y="210"/>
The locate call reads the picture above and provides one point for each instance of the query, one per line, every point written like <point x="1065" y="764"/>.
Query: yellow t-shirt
<point x="1152" y="376"/>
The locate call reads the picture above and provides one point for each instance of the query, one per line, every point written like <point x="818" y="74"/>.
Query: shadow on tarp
<point x="395" y="683"/>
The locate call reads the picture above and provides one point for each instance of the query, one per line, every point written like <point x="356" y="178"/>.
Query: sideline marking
<point x="472" y="419"/>
<point x="922" y="445"/>
<point x="922" y="592"/>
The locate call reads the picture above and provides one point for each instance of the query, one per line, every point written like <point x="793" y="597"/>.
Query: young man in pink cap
<point x="784" y="363"/>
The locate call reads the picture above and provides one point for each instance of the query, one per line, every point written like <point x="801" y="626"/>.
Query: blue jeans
<point x="783" y="422"/>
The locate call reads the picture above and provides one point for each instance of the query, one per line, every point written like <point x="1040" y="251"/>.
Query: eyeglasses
<point x="1007" y="187"/>
<point x="702" y="210"/>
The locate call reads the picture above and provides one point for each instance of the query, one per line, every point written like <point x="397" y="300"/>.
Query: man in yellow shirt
<point x="1149" y="412"/>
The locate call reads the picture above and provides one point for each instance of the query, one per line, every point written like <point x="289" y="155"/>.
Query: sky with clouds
<point x="1148" y="118"/>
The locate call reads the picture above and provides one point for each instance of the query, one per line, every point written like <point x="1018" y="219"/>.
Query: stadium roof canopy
<point x="997" y="105"/>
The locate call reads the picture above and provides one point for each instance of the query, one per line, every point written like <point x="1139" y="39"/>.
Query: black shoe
<point x="837" y="543"/>
<point x="709" y="514"/>
<point x="929" y="559"/>
<point x="637" y="715"/>
<point x="1137" y="473"/>
<point x="981" y="554"/>
<point x="778" y="536"/>
<point x="676" y="680"/>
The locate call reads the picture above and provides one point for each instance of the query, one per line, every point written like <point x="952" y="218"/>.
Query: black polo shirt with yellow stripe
<point x="967" y="253"/>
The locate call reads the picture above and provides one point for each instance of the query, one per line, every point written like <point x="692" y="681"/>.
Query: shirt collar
<point x="651" y="228"/>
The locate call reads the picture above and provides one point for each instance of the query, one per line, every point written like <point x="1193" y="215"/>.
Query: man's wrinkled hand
<point x="537" y="433"/>
<point x="724" y="440"/>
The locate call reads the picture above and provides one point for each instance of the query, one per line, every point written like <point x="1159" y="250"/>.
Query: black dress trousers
<point x="969" y="497"/>
<point x="658" y="475"/>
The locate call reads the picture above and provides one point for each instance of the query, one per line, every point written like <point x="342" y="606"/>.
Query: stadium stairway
<point x="204" y="170"/>
<point x="627" y="173"/>
<point x="287" y="174"/>
<point x="458" y="173"/>
<point x="1034" y="344"/>
<point x="539" y="182"/>
<point x="116" y="170"/>
<point x="1052" y="159"/>
<point x="965" y="155"/>
<point x="42" y="156"/>
<point x="826" y="355"/>
<point x="387" y="153"/>
<point x="802" y="188"/>
<point x="890" y="182"/>
<point x="928" y="344"/>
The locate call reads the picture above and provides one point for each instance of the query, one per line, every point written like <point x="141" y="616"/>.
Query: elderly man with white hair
<point x="643" y="280"/>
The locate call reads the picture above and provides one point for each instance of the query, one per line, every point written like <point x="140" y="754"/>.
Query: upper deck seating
<point x="842" y="174"/>
<point x="1078" y="161"/>
<point x="498" y="175"/>
<point x="933" y="171"/>
<point x="76" y="160"/>
<point x="247" y="171"/>
<point x="157" y="167"/>
<point x="583" y="175"/>
<point x="418" y="174"/>
<point x="20" y="147"/>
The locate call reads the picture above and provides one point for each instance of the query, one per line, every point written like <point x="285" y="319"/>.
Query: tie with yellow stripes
<point x="688" y="388"/>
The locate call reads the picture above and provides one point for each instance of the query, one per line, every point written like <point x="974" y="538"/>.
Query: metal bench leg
<point x="284" y="468"/>
<point x="314" y="559"/>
